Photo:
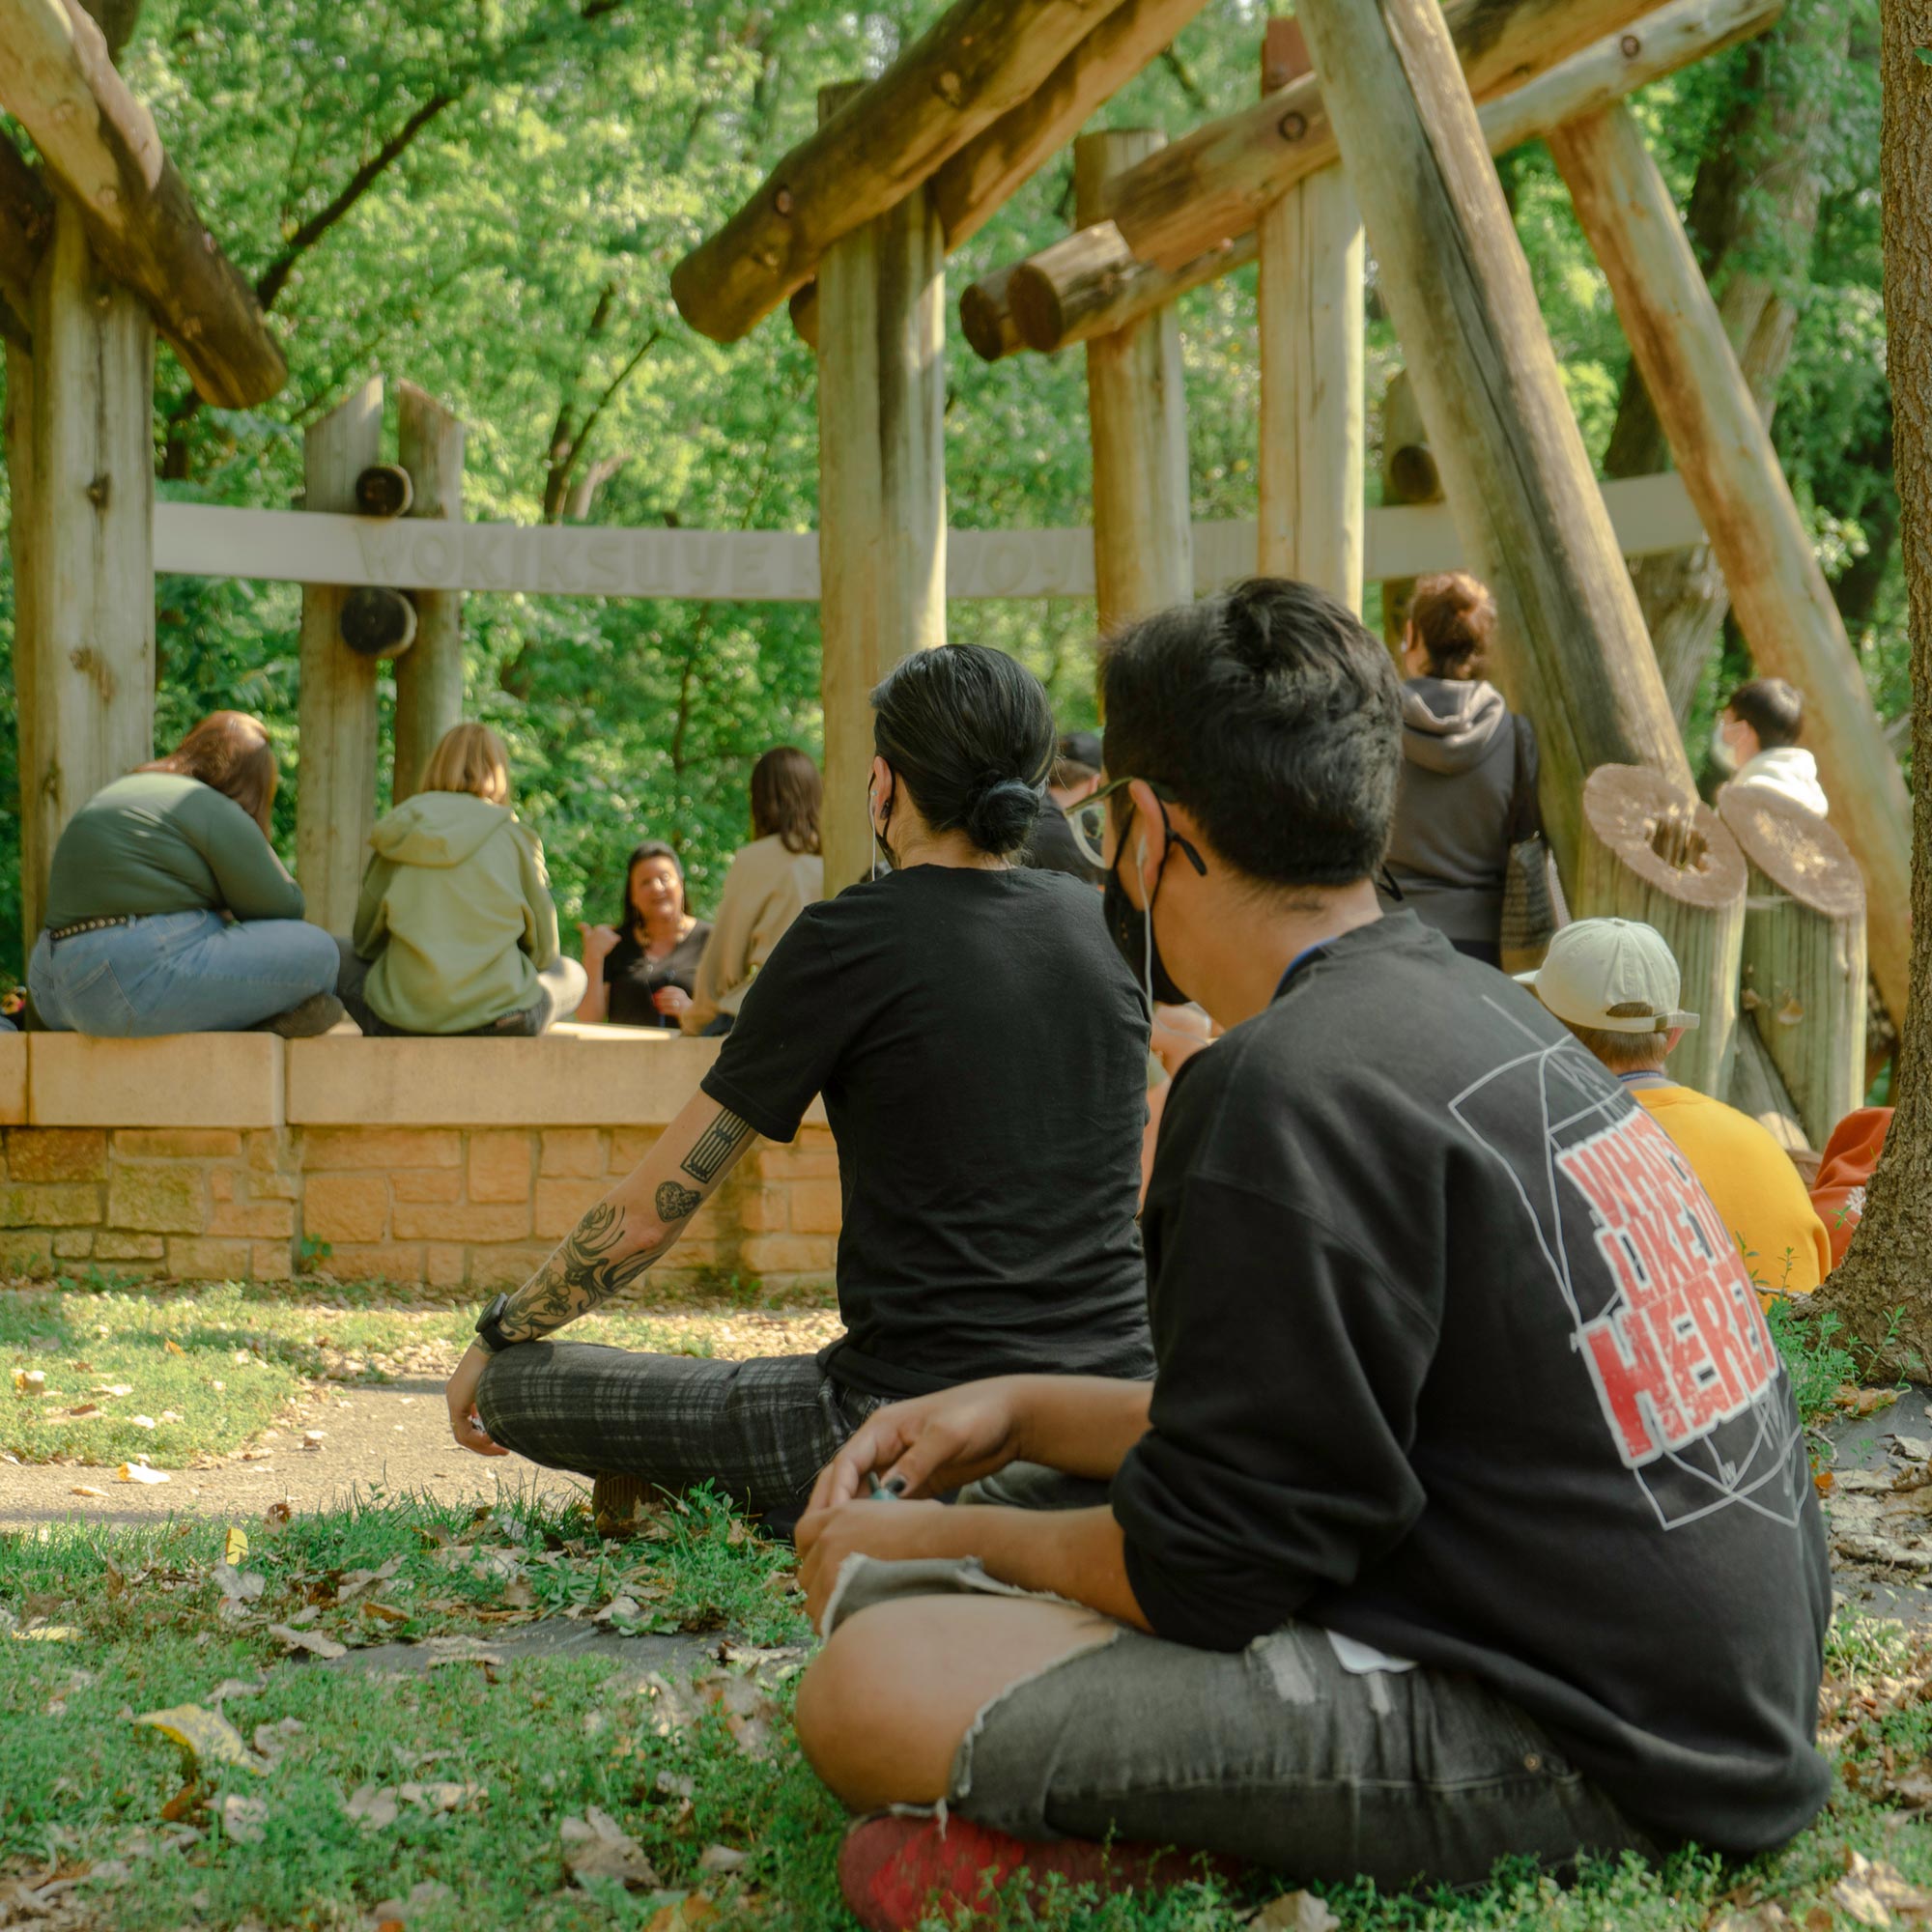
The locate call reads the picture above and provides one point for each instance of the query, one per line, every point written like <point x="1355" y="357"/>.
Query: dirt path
<point x="392" y="1435"/>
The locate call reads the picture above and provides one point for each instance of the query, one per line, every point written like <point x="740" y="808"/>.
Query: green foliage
<point x="488" y="201"/>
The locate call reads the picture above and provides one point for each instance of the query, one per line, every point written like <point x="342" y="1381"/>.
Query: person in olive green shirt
<point x="169" y="911"/>
<point x="455" y="931"/>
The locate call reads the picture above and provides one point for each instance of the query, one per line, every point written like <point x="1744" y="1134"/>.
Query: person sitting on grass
<point x="1614" y="984"/>
<point x="169" y="911"/>
<point x="1468" y="1513"/>
<point x="981" y="1053"/>
<point x="455" y="929"/>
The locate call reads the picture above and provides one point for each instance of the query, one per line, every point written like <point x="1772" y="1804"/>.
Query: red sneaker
<point x="895" y="1870"/>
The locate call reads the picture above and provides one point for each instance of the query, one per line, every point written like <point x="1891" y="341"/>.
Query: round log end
<point x="384" y="490"/>
<point x="988" y="322"/>
<point x="1668" y="839"/>
<point x="1412" y="474"/>
<point x="378" y="623"/>
<point x="804" y="311"/>
<point x="1799" y="852"/>
<point x="1033" y="302"/>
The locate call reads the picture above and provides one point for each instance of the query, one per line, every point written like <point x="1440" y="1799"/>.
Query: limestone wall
<point x="452" y="1163"/>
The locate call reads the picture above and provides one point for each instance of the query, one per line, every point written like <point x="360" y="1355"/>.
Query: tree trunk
<point x="1888" y="1270"/>
<point x="1527" y="505"/>
<point x="1752" y="218"/>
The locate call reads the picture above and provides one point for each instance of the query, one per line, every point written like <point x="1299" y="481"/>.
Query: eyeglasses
<point x="1086" y="819"/>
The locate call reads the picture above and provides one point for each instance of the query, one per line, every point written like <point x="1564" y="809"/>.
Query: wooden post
<point x="429" y="675"/>
<point x="1803" y="953"/>
<point x="335" y="778"/>
<point x="1653" y="852"/>
<point x="1313" y="432"/>
<point x="1410" y="475"/>
<point x="1574" y="653"/>
<point x="82" y="464"/>
<point x="881" y="486"/>
<point x="1757" y="1088"/>
<point x="1718" y="436"/>
<point x="1136" y="415"/>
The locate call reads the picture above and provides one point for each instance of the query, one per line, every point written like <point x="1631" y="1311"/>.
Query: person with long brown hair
<point x="642" y="970"/>
<point x="772" y="880"/>
<point x="169" y="911"/>
<point x="1468" y="764"/>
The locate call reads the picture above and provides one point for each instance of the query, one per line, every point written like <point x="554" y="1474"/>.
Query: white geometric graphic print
<point x="1666" y="1320"/>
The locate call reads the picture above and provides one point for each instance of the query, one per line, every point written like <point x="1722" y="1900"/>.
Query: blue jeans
<point x="179" y="972"/>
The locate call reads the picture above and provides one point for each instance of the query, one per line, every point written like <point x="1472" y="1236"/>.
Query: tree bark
<point x="1093" y="283"/>
<point x="1732" y="473"/>
<point x="1527" y="508"/>
<point x="982" y="59"/>
<point x="1883" y="1287"/>
<point x="57" y="81"/>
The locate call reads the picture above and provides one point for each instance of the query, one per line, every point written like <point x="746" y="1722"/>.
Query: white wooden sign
<point x="1650" y="513"/>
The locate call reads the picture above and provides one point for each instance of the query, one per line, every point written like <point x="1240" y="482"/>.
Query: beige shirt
<point x="765" y="889"/>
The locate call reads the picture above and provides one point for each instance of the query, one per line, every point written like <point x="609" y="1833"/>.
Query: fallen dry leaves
<point x="1295" y="1912"/>
<point x="597" y="1846"/>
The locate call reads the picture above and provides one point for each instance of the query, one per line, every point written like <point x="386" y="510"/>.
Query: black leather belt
<point x="56" y="933"/>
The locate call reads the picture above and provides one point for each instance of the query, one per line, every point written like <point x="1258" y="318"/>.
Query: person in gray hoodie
<point x="1465" y="754"/>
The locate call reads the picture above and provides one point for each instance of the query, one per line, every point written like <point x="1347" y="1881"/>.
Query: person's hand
<point x="932" y="1443"/>
<point x="671" y="1001"/>
<point x="599" y="942"/>
<point x="460" y="1392"/>
<point x="892" y="1530"/>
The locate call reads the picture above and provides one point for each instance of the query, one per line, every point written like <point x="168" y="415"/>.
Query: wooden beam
<point x="1731" y="470"/>
<point x="1574" y="653"/>
<point x="1313" y="432"/>
<point x="98" y="142"/>
<point x="1410" y="475"/>
<point x="429" y="675"/>
<point x="26" y="216"/>
<point x="881" y="486"/>
<point x="978" y="60"/>
<point x="82" y="467"/>
<point x="1136" y="415"/>
<point x="1073" y="289"/>
<point x="335" y="714"/>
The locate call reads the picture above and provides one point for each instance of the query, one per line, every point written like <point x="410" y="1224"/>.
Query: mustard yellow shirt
<point x="1752" y="1183"/>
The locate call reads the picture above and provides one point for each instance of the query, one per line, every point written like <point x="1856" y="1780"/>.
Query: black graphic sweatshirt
<point x="1455" y="1358"/>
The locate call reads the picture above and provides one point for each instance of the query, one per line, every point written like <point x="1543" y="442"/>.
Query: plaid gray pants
<point x="759" y="1432"/>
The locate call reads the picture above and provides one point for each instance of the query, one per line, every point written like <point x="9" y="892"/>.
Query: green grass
<point x="211" y="1368"/>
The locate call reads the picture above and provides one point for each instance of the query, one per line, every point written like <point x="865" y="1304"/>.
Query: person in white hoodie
<point x="1757" y="736"/>
<point x="1465" y="755"/>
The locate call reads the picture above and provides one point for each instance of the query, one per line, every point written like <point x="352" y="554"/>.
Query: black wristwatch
<point x="489" y="1328"/>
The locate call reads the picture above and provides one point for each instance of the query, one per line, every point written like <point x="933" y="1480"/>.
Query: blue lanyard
<point x="1293" y="965"/>
<point x="1645" y="1076"/>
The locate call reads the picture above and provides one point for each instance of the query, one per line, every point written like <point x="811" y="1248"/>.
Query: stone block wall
<point x="374" y="1167"/>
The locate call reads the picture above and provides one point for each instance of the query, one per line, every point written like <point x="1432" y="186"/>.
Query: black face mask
<point x="1131" y="928"/>
<point x="878" y="828"/>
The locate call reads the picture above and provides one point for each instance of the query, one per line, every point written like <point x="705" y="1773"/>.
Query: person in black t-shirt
<point x="1076" y="771"/>
<point x="644" y="970"/>
<point x="1468" y="1513"/>
<point x="979" y="1048"/>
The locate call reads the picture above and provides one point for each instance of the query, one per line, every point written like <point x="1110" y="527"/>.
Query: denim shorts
<point x="1279" y="1755"/>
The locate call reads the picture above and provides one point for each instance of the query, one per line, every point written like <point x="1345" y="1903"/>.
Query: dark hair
<point x="971" y="733"/>
<point x="651" y="848"/>
<point x="786" y="795"/>
<point x="1455" y="620"/>
<point x="1275" y="718"/>
<point x="230" y="751"/>
<point x="1772" y="708"/>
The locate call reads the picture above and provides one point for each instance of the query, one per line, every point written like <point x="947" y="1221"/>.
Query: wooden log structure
<point x="979" y="61"/>
<point x="1137" y="416"/>
<point x="1804" y="985"/>
<point x="1072" y="290"/>
<point x="429" y="676"/>
<point x="58" y="80"/>
<point x="1652" y="851"/>
<point x="378" y="622"/>
<point x="1410" y="475"/>
<point x="335" y="800"/>
<point x="1718" y="437"/>
<point x="1757" y="1088"/>
<point x="26" y="217"/>
<point x="881" y="485"/>
<point x="80" y="461"/>
<point x="1313" y="432"/>
<point x="1574" y="653"/>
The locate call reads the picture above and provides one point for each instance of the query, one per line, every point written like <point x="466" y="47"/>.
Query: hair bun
<point x="1002" y="814"/>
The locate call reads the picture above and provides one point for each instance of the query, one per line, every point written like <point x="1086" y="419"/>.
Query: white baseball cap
<point x="1615" y="975"/>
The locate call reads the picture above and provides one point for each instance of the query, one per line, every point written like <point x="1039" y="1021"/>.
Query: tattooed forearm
<point x="718" y="1146"/>
<point x="591" y="1267"/>
<point x="676" y="1203"/>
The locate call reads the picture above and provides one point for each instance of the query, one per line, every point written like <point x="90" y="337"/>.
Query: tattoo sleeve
<point x="604" y="1254"/>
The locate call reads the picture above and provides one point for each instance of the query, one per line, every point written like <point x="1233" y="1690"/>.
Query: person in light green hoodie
<point x="455" y="931"/>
